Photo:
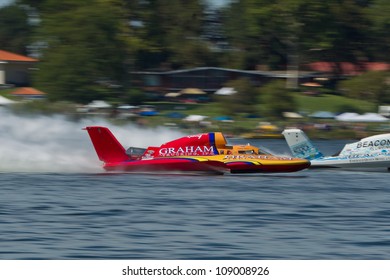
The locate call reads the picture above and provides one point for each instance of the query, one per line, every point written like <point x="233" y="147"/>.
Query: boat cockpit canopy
<point x="242" y="150"/>
<point x="134" y="152"/>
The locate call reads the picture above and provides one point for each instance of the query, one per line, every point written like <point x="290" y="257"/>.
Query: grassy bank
<point x="241" y="122"/>
<point x="332" y="103"/>
<point x="306" y="105"/>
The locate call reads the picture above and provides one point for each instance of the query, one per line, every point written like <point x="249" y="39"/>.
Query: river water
<point x="312" y="214"/>
<point x="57" y="203"/>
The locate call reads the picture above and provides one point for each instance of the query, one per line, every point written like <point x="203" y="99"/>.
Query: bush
<point x="277" y="99"/>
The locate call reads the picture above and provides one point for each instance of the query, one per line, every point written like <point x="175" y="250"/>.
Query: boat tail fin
<point x="107" y="147"/>
<point x="300" y="145"/>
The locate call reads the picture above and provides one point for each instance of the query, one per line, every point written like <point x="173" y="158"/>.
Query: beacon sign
<point x="377" y="143"/>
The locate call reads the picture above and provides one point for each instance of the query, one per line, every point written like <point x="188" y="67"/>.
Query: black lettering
<point x="385" y="142"/>
<point x="179" y="271"/>
<point x="143" y="270"/>
<point x="124" y="272"/>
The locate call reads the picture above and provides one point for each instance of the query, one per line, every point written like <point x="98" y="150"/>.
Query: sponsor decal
<point x="303" y="149"/>
<point x="376" y="143"/>
<point x="186" y="151"/>
<point x="250" y="157"/>
<point x="369" y="160"/>
<point x="376" y="155"/>
<point x="197" y="135"/>
<point x="148" y="154"/>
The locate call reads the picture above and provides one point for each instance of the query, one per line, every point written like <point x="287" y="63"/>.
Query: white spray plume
<point x="55" y="144"/>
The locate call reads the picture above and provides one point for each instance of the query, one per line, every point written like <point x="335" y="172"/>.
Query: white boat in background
<point x="369" y="153"/>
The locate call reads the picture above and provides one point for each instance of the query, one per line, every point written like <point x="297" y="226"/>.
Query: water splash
<point x="56" y="144"/>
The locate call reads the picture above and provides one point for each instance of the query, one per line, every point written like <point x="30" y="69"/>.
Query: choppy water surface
<point x="313" y="214"/>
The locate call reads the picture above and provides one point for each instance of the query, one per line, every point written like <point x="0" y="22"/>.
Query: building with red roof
<point x="15" y="68"/>
<point x="28" y="92"/>
<point x="348" y="68"/>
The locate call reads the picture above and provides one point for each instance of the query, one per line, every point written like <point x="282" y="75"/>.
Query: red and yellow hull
<point x="261" y="163"/>
<point x="218" y="164"/>
<point x="167" y="165"/>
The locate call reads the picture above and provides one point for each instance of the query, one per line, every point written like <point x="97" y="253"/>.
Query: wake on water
<point x="56" y="144"/>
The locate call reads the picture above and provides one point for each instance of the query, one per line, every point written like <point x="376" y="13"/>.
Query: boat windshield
<point x="243" y="150"/>
<point x="247" y="152"/>
<point x="134" y="152"/>
<point x="262" y="151"/>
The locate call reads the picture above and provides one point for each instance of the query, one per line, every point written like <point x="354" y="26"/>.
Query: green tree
<point x="243" y="101"/>
<point x="14" y="29"/>
<point x="86" y="49"/>
<point x="379" y="12"/>
<point x="291" y="32"/>
<point x="337" y="31"/>
<point x="276" y="99"/>
<point x="266" y="31"/>
<point x="172" y="31"/>
<point x="372" y="86"/>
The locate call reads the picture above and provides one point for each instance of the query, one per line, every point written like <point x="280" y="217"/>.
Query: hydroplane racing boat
<point x="206" y="152"/>
<point x="369" y="153"/>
